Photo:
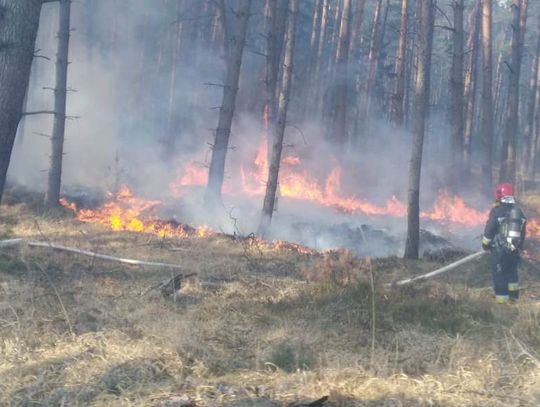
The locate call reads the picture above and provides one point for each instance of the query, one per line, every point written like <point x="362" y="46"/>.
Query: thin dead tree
<point x="307" y="75"/>
<point x="19" y="22"/>
<point x="529" y="135"/>
<point x="487" y="97"/>
<point x="457" y="92"/>
<point x="397" y="113"/>
<point x="60" y="98"/>
<point x="172" y="123"/>
<point x="271" y="71"/>
<point x="226" y="113"/>
<point x="373" y="58"/>
<point x="470" y="84"/>
<point x="319" y="59"/>
<point x="509" y="148"/>
<point x="356" y="30"/>
<point x="277" y="146"/>
<point x="341" y="83"/>
<point x="424" y="43"/>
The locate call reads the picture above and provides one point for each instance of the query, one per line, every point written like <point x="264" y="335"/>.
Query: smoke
<point x="121" y="58"/>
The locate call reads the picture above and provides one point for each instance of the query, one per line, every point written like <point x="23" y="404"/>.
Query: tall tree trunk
<point x="60" y="95"/>
<point x="536" y="159"/>
<point x="273" y="173"/>
<point x="457" y="93"/>
<point x="379" y="92"/>
<point x="271" y="72"/>
<point x="509" y="149"/>
<point x="424" y="43"/>
<point x="487" y="98"/>
<point x="172" y="121"/>
<point x="341" y="82"/>
<point x="529" y="133"/>
<point x="319" y="64"/>
<point x="307" y="81"/>
<point x="470" y="84"/>
<point x="335" y="32"/>
<point x="19" y="22"/>
<point x="226" y="113"/>
<point x="397" y="114"/>
<point x="356" y="31"/>
<point x="373" y="58"/>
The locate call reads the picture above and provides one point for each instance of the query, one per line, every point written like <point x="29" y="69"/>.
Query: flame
<point x="453" y="209"/>
<point x="533" y="228"/>
<point x="126" y="212"/>
<point x="193" y="174"/>
<point x="296" y="183"/>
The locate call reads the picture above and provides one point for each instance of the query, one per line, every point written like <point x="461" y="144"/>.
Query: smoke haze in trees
<point x="121" y="56"/>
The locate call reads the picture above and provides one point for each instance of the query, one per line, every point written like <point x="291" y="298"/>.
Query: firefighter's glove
<point x="486" y="243"/>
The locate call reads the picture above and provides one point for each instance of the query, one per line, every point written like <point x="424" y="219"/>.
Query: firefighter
<point x="504" y="236"/>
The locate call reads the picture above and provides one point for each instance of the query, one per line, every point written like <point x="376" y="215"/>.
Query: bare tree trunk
<point x="172" y="122"/>
<point x="397" y="114"/>
<point x="225" y="30"/>
<point x="335" y="31"/>
<point x="535" y="160"/>
<point x="356" y="32"/>
<point x="60" y="95"/>
<point x="341" y="82"/>
<point x="487" y="97"/>
<point x="271" y="73"/>
<point x="373" y="58"/>
<point x="509" y="149"/>
<point x="19" y="22"/>
<point x="379" y="92"/>
<point x="307" y="76"/>
<point x="470" y="84"/>
<point x="529" y="133"/>
<point x="273" y="173"/>
<point x="500" y="94"/>
<point x="457" y="93"/>
<point x="319" y="64"/>
<point x="424" y="43"/>
<point x="226" y="113"/>
<point x="315" y="23"/>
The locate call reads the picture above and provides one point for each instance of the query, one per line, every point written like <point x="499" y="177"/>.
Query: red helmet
<point x="503" y="190"/>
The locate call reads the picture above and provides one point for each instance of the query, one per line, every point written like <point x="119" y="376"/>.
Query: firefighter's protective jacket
<point x="497" y="215"/>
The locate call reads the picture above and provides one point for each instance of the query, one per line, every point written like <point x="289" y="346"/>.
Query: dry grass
<point x="257" y="323"/>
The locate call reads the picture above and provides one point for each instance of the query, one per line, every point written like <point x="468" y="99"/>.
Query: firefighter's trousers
<point x="504" y="267"/>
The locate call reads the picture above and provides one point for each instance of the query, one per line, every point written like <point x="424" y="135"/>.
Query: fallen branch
<point x="13" y="242"/>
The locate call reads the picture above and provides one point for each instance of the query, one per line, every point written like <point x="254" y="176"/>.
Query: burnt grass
<point x="254" y="323"/>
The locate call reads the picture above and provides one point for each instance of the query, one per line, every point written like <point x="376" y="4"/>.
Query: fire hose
<point x="444" y="269"/>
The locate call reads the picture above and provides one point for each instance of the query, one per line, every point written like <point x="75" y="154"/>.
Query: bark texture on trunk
<point x="172" y="120"/>
<point x="424" y="43"/>
<point x="19" y="20"/>
<point x="457" y="93"/>
<point x="226" y="113"/>
<point x="511" y="129"/>
<point x="341" y="82"/>
<point x="277" y="144"/>
<point x="470" y="84"/>
<point x="397" y="114"/>
<point x="530" y="151"/>
<point x="486" y="161"/>
<point x="60" y="96"/>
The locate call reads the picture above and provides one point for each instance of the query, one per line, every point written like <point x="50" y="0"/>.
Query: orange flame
<point x="126" y="212"/>
<point x="193" y="174"/>
<point x="296" y="183"/>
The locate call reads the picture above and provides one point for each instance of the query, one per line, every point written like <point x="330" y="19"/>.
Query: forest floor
<point x="257" y="326"/>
